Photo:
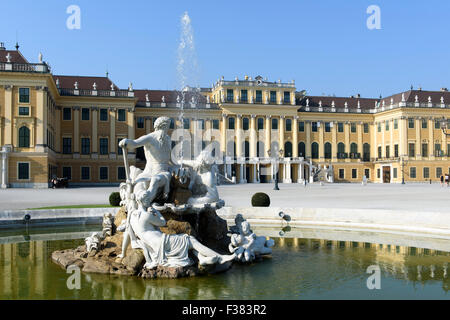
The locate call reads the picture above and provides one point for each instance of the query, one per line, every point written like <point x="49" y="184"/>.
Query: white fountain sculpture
<point x="108" y="221"/>
<point x="93" y="242"/>
<point x="144" y="220"/>
<point x="245" y="244"/>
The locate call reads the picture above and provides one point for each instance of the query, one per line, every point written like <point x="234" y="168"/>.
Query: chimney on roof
<point x="357" y="96"/>
<point x="2" y="46"/>
<point x="444" y="89"/>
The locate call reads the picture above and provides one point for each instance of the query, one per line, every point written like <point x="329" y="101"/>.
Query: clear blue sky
<point x="323" y="44"/>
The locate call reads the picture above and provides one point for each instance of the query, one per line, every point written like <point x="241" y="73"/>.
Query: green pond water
<point x="299" y="268"/>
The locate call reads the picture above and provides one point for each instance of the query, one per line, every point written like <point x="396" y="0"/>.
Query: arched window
<point x="327" y="150"/>
<point x="341" y="150"/>
<point x="24" y="137"/>
<point x="315" y="150"/>
<point x="288" y="149"/>
<point x="353" y="148"/>
<point x="301" y="149"/>
<point x="366" y="152"/>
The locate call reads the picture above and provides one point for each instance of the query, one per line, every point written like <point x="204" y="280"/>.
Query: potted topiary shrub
<point x="260" y="199"/>
<point x="114" y="199"/>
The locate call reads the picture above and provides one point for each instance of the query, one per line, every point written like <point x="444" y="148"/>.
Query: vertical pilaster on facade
<point x="148" y="124"/>
<point x="418" y="124"/>
<point x="334" y="142"/>
<point x="403" y="137"/>
<point x="112" y="133"/>
<point x="295" y="137"/>
<point x="238" y="132"/>
<point x="15" y="134"/>
<point x="4" y="154"/>
<point x="347" y="139"/>
<point x="1" y="131"/>
<point x="359" y="129"/>
<point x="321" y="142"/>
<point x="41" y="114"/>
<point x="94" y="133"/>
<point x="373" y="148"/>
<point x="383" y="142"/>
<point x="281" y="133"/>
<point x="444" y="144"/>
<point x="268" y="132"/>
<point x="253" y="137"/>
<point x="308" y="139"/>
<point x="8" y="115"/>
<point x="223" y="135"/>
<point x="33" y="135"/>
<point x="58" y="130"/>
<point x="431" y="138"/>
<point x="76" y="131"/>
<point x="392" y="138"/>
<point x="130" y="123"/>
<point x="300" y="173"/>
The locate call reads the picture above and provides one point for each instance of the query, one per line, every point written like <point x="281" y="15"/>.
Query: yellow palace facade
<point x="69" y="126"/>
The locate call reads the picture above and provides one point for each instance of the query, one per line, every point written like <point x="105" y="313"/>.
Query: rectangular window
<point x="378" y="173"/>
<point x="437" y="150"/>
<point x="215" y="124"/>
<point x="103" y="146"/>
<point x="367" y="173"/>
<point x="379" y="127"/>
<point x="231" y="123"/>
<point x="24" y="111"/>
<point x="244" y="95"/>
<point x="187" y="124"/>
<point x="301" y="126"/>
<point x="287" y="97"/>
<point x="85" y="145"/>
<point x="411" y="123"/>
<point x="23" y="170"/>
<point x="366" y="128"/>
<point x="103" y="174"/>
<point x="424" y="150"/>
<point x="140" y="122"/>
<point x="67" y="145"/>
<point x="85" y="173"/>
<point x="424" y="124"/>
<point x="341" y="173"/>
<point x="85" y="113"/>
<point x="67" y="172"/>
<point x="172" y="124"/>
<point x="353" y="127"/>
<point x="273" y="96"/>
<point x="340" y="127"/>
<point x="388" y="154"/>
<point x="67" y="113"/>
<point x="412" y="172"/>
<point x="121" y="115"/>
<point x="395" y="124"/>
<point x="380" y="152"/>
<point x="258" y="98"/>
<point x="386" y="126"/>
<point x="426" y="173"/>
<point x="260" y="124"/>
<point x="395" y="173"/>
<point x="438" y="172"/>
<point x="396" y="150"/>
<point x="411" y="150"/>
<point x="230" y="95"/>
<point x="119" y="149"/>
<point x="354" y="173"/>
<point x="437" y="124"/>
<point x="24" y="95"/>
<point x="103" y="114"/>
<point x="121" y="173"/>
<point x="327" y="127"/>
<point x="275" y="124"/>
<point x="288" y="125"/>
<point x="201" y="124"/>
<point x="245" y="124"/>
<point x="314" y="126"/>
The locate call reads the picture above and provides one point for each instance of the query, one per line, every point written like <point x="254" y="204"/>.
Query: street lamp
<point x="277" y="156"/>
<point x="403" y="168"/>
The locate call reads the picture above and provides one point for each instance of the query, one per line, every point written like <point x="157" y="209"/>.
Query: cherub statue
<point x="245" y="244"/>
<point x="107" y="225"/>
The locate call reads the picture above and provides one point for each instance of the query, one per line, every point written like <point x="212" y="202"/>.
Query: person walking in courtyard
<point x="442" y="180"/>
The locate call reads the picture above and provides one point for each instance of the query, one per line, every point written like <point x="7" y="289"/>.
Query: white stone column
<point x="254" y="178"/>
<point x="300" y="169"/>
<point x="4" y="153"/>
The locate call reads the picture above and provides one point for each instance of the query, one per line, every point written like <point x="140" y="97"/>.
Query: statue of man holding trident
<point x="156" y="176"/>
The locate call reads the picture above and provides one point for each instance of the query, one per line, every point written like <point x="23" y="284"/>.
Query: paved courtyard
<point x="417" y="197"/>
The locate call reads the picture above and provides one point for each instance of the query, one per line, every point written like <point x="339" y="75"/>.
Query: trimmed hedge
<point x="260" y="199"/>
<point x="114" y="199"/>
